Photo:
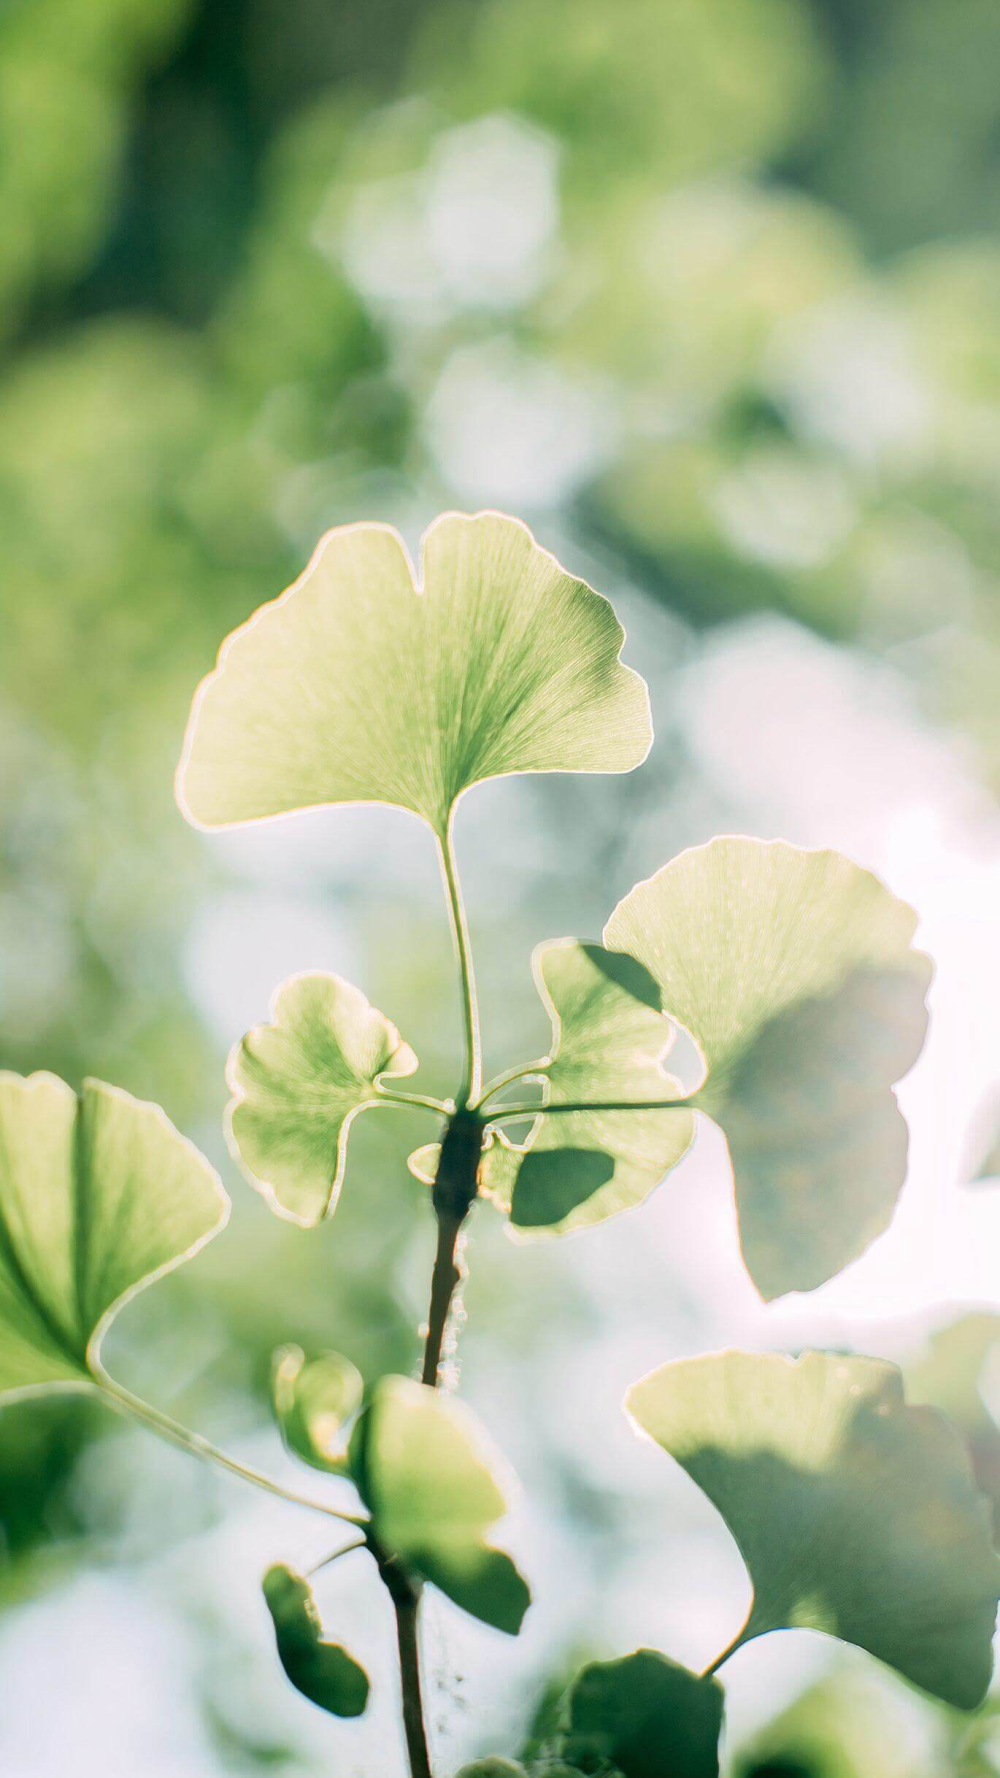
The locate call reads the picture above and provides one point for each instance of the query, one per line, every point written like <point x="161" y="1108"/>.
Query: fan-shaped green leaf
<point x="314" y="1400"/>
<point x="358" y="686"/>
<point x="299" y="1081"/>
<point x="854" y="1513"/>
<point x="99" y="1196"/>
<point x="429" y="1478"/>
<point x="322" y="1671"/>
<point x="647" y="1717"/>
<point x="795" y="973"/>
<point x="609" y="1043"/>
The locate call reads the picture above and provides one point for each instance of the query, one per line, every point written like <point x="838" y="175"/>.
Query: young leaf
<point x="314" y="1400"/>
<point x="358" y="686"/>
<point x="99" y="1196"/>
<point x="297" y="1085"/>
<point x="429" y="1477"/>
<point x="609" y="1043"/>
<point x="646" y="1716"/>
<point x="322" y="1671"/>
<point x="854" y="1513"/>
<point x="795" y="973"/>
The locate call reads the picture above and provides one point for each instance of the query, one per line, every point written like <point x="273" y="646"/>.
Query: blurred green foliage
<point x="713" y="285"/>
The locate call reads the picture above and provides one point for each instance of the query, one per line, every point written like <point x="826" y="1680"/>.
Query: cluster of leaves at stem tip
<point x="792" y="974"/>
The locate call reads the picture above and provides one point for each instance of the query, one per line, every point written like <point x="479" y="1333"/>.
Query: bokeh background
<point x="708" y="291"/>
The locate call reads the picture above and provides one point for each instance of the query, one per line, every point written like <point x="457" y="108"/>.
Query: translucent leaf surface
<point x="99" y="1196"/>
<point x="359" y="686"/>
<point x="645" y="1716"/>
<point x="431" y="1482"/>
<point x="610" y="1040"/>
<point x="314" y="1399"/>
<point x="322" y="1671"/>
<point x="298" y="1082"/>
<point x="794" y="972"/>
<point x="855" y="1513"/>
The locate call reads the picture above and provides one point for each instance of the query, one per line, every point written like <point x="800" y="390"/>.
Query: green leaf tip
<point x="435" y="1486"/>
<point x="645" y="1716"/>
<point x="855" y="1513"/>
<point x="358" y="685"/>
<point x="99" y="1197"/>
<point x="299" y="1082"/>
<point x="314" y="1401"/>
<point x="794" y="971"/>
<point x="322" y="1671"/>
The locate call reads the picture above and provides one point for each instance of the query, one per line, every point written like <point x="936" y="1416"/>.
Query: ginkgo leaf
<point x="431" y="1481"/>
<point x="645" y="1716"/>
<point x="298" y="1083"/>
<point x="359" y="686"/>
<point x="610" y="1039"/>
<point x="314" y="1400"/>
<point x="99" y="1196"/>
<point x="322" y="1671"/>
<point x="854" y="1513"/>
<point x="794" y="972"/>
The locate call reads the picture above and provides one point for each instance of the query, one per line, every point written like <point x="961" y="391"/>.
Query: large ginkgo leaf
<point x="610" y="1040"/>
<point x="431" y="1481"/>
<point x="795" y="973"/>
<point x="298" y="1083"/>
<point x="854" y="1513"/>
<point x="99" y="1196"/>
<point x="359" y="686"/>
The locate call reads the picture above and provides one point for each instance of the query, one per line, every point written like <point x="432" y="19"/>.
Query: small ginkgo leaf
<point x="298" y="1083"/>
<point x="794" y="972"/>
<point x="431" y="1481"/>
<point x="359" y="686"/>
<point x="314" y="1401"/>
<point x="645" y="1716"/>
<point x="322" y="1671"/>
<point x="423" y="1162"/>
<point x="854" y="1513"/>
<point x="610" y="1039"/>
<point x="99" y="1196"/>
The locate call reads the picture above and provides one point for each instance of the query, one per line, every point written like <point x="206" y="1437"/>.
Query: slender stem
<point x="359" y="1543"/>
<point x="445" y="1280"/>
<point x="497" y="1115"/>
<point x="389" y="1096"/>
<point x="196" y="1446"/>
<point x="473" y="1075"/>
<point x="407" y="1605"/>
<point x="505" y="1080"/>
<point x="730" y="1649"/>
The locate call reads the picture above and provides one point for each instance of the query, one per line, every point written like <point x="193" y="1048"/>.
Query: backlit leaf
<point x="314" y="1400"/>
<point x="99" y="1196"/>
<point x="359" y="686"/>
<point x="610" y="1040"/>
<point x="854" y="1513"/>
<point x="794" y="972"/>
<point x="322" y="1671"/>
<point x="430" y="1480"/>
<point x="645" y="1716"/>
<point x="298" y="1083"/>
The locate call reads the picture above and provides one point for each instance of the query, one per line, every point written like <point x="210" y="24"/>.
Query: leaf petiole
<point x="389" y="1096"/>
<point x="472" y="1079"/>
<point x="565" y="1108"/>
<point x="156" y="1421"/>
